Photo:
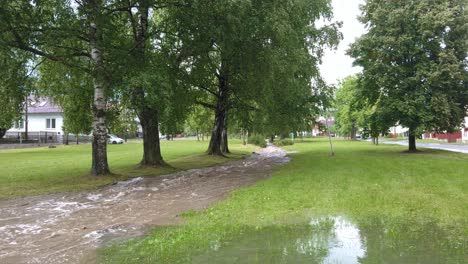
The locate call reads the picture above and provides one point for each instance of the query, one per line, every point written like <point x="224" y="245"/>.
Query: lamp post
<point x="329" y="137"/>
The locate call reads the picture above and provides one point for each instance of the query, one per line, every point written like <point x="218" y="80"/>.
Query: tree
<point x="414" y="62"/>
<point x="13" y="87"/>
<point x="71" y="35"/>
<point x="199" y="121"/>
<point x="242" y="56"/>
<point x="73" y="91"/>
<point x="123" y="121"/>
<point x="348" y="109"/>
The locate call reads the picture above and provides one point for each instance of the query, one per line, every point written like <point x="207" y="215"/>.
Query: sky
<point x="336" y="64"/>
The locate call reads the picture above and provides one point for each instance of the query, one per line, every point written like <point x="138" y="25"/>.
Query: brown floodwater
<point x="68" y="228"/>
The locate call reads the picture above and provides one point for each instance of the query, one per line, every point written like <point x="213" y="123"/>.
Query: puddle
<point x="338" y="240"/>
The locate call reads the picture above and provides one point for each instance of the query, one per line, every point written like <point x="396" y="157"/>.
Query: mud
<point x="68" y="228"/>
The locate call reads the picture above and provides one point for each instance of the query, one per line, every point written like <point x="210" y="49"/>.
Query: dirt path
<point x="67" y="228"/>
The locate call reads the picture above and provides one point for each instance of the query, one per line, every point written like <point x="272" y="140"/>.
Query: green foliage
<point x="123" y="122"/>
<point x="348" y="109"/>
<point x="258" y="140"/>
<point x="414" y="62"/>
<point x="71" y="89"/>
<point x="15" y="85"/>
<point x="268" y="49"/>
<point x="284" y="142"/>
<point x="199" y="120"/>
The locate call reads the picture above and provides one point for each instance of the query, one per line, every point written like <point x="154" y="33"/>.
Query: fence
<point x="42" y="137"/>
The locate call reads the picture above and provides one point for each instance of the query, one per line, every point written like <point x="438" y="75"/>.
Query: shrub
<point x="258" y="140"/>
<point x="284" y="142"/>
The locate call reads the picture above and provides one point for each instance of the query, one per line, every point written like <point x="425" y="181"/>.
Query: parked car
<point x="113" y="139"/>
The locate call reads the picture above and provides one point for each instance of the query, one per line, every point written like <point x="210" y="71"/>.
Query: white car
<point x="113" y="139"/>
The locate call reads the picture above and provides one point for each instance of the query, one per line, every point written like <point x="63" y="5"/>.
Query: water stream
<point x="68" y="228"/>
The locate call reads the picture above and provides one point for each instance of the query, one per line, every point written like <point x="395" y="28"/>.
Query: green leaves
<point x="411" y="63"/>
<point x="15" y="84"/>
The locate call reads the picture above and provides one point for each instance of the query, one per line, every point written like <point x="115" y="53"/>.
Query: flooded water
<point x="68" y="228"/>
<point x="335" y="240"/>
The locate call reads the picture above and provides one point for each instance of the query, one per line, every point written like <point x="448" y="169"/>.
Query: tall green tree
<point x="348" y="109"/>
<point x="414" y="62"/>
<point x="70" y="33"/>
<point x="244" y="56"/>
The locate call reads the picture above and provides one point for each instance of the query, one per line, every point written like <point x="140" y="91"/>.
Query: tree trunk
<point x="147" y="112"/>
<point x="77" y="139"/>
<point x="66" y="138"/>
<point x="412" y="141"/>
<point x="26" y="119"/>
<point x="151" y="143"/>
<point x="216" y="136"/>
<point x="99" y="146"/>
<point x="244" y="138"/>
<point x="224" y="137"/>
<point x="353" y="131"/>
<point x="198" y="136"/>
<point x="220" y="116"/>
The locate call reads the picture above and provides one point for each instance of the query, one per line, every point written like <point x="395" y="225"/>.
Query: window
<point x="50" y="123"/>
<point x="19" y="124"/>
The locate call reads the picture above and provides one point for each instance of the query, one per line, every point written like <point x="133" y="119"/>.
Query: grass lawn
<point x="409" y="208"/>
<point x="42" y="170"/>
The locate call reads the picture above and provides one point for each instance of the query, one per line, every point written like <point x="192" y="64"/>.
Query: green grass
<point x="65" y="168"/>
<point x="407" y="192"/>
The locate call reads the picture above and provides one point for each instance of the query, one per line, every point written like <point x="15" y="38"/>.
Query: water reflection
<point x="338" y="240"/>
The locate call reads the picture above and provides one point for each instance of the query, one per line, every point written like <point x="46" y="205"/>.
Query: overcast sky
<point x="336" y="64"/>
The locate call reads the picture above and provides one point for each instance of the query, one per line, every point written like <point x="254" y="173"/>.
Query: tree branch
<point x="207" y="105"/>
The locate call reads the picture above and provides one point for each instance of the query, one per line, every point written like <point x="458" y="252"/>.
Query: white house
<point x="398" y="130"/>
<point x="43" y="119"/>
<point x="465" y="131"/>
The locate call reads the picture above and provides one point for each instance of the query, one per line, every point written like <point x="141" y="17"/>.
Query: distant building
<point x="44" y="120"/>
<point x="459" y="136"/>
<point x="398" y="131"/>
<point x="465" y="131"/>
<point x="321" y="123"/>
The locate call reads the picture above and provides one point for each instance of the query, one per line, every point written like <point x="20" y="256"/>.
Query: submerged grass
<point x="398" y="197"/>
<point x="65" y="168"/>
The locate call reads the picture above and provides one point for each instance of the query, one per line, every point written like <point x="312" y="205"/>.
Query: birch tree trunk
<point x="99" y="151"/>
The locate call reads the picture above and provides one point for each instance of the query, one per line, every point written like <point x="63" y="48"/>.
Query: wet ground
<point x="336" y="239"/>
<point x="68" y="228"/>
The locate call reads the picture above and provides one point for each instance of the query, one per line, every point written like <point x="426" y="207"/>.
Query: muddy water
<point x="68" y="228"/>
<point x="336" y="239"/>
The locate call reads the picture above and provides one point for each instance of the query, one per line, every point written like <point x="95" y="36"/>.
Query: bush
<point x="284" y="142"/>
<point x="258" y="140"/>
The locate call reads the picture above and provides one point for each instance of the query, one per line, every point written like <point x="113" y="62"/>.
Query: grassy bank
<point x="404" y="205"/>
<point x="65" y="168"/>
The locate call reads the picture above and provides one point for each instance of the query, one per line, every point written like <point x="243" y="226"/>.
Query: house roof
<point x="42" y="105"/>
